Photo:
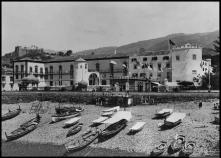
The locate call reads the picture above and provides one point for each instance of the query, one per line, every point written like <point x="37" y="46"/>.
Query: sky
<point x="89" y="25"/>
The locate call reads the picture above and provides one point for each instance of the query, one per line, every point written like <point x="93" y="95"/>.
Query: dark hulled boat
<point x="59" y="117"/>
<point x="113" y="128"/>
<point x="82" y="141"/>
<point x="75" y="129"/>
<point x="11" y="114"/>
<point x="22" y="130"/>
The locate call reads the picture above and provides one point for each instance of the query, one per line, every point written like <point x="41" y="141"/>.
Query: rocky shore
<point x="196" y="126"/>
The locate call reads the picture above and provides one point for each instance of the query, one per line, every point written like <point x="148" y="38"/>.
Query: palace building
<point x="135" y="72"/>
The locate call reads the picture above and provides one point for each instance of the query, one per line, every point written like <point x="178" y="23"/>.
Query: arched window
<point x="93" y="79"/>
<point x="22" y="71"/>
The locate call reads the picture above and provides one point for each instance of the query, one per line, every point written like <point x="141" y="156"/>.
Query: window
<point x="46" y="73"/>
<point x="97" y="67"/>
<point x="22" y="71"/>
<point x="71" y="83"/>
<point x="134" y="75"/>
<point x="154" y="58"/>
<point x="51" y="73"/>
<point x="133" y="59"/>
<point x="142" y="75"/>
<point x="11" y="79"/>
<point x="3" y="78"/>
<point x="177" y="57"/>
<point x="60" y="83"/>
<point x="166" y="58"/>
<point x="60" y="72"/>
<point x="71" y="71"/>
<point x="36" y="69"/>
<point x="103" y="82"/>
<point x="80" y="66"/>
<point x="85" y="66"/>
<point x="159" y="66"/>
<point x="16" y="71"/>
<point x="125" y="68"/>
<point x="30" y="70"/>
<point x="205" y="63"/>
<point x="111" y="69"/>
<point x="135" y="66"/>
<point x="168" y="76"/>
<point x="41" y="72"/>
<point x="203" y="69"/>
<point x="145" y="59"/>
<point x="194" y="56"/>
<point x="194" y="71"/>
<point x="51" y="83"/>
<point x="168" y="65"/>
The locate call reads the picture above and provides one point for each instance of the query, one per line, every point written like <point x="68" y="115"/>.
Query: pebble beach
<point x="196" y="126"/>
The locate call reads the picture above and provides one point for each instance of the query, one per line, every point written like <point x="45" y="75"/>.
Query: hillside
<point x="203" y="39"/>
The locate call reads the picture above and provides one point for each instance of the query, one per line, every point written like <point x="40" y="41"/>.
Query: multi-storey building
<point x="138" y="71"/>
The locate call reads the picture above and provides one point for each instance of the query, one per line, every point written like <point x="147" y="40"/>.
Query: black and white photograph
<point x="110" y="79"/>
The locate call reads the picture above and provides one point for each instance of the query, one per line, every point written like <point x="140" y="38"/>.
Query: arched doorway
<point x="93" y="79"/>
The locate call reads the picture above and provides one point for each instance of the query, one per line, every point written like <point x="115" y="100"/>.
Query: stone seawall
<point x="89" y="97"/>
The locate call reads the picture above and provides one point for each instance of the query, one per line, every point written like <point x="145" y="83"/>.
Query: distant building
<point x="21" y="51"/>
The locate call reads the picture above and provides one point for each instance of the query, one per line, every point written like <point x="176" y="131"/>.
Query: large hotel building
<point x="179" y="64"/>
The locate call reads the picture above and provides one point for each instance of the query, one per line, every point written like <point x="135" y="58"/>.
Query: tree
<point x="68" y="53"/>
<point x="214" y="81"/>
<point x="216" y="45"/>
<point x="60" y="53"/>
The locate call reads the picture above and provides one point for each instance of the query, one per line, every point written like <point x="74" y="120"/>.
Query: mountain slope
<point x="203" y="39"/>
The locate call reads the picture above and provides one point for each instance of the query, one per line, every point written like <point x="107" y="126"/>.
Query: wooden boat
<point x="67" y="115"/>
<point x="188" y="148"/>
<point x="108" y="114"/>
<point x="71" y="122"/>
<point x="113" y="128"/>
<point x="35" y="119"/>
<point x="177" y="143"/>
<point x="82" y="141"/>
<point x="21" y="131"/>
<point x="100" y="119"/>
<point x="159" y="149"/>
<point x="174" y="119"/>
<point x="117" y="108"/>
<point x="11" y="114"/>
<point x="74" y="129"/>
<point x="164" y="113"/>
<point x="61" y="110"/>
<point x="137" y="127"/>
